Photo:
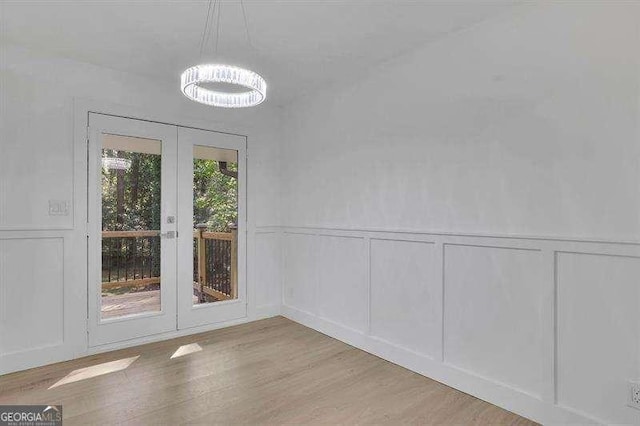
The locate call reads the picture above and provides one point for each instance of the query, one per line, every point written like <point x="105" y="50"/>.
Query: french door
<point x="166" y="228"/>
<point x="211" y="255"/>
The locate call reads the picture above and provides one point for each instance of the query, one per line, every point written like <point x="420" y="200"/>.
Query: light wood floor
<point x="266" y="372"/>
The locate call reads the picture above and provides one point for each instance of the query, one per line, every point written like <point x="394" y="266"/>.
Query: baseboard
<point x="266" y="311"/>
<point x="165" y="336"/>
<point x="21" y="361"/>
<point x="495" y="393"/>
<point x="11" y="363"/>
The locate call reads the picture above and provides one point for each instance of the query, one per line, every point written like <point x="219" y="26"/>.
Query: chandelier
<point x="192" y="78"/>
<point x="114" y="163"/>
<point x="250" y="89"/>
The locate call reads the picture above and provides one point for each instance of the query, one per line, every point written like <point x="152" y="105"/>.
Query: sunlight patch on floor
<point x="95" y="371"/>
<point x="186" y="350"/>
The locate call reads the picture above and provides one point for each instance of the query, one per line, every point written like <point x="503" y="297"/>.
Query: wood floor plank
<point x="272" y="371"/>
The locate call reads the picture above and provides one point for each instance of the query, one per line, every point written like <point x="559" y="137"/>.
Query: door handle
<point x="168" y="235"/>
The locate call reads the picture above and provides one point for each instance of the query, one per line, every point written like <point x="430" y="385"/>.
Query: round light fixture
<point x="193" y="78"/>
<point x="113" y="163"/>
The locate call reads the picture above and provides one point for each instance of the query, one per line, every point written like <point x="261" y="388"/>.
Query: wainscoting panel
<point x="493" y="301"/>
<point x="32" y="313"/>
<point x="266" y="274"/>
<point x="342" y="285"/>
<point x="598" y="334"/>
<point x="300" y="271"/>
<point x="406" y="295"/>
<point x="546" y="328"/>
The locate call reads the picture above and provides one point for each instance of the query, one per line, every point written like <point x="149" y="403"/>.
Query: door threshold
<point x="92" y="350"/>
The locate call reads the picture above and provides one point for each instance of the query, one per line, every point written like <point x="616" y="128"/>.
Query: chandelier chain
<point x="246" y="25"/>
<point x="218" y="28"/>
<point x="214" y="10"/>
<point x="203" y="40"/>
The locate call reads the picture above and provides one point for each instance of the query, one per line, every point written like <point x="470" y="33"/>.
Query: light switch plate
<point x="59" y="207"/>
<point x="634" y="394"/>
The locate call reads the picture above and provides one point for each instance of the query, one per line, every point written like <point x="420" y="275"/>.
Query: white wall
<point x="522" y="126"/>
<point x="42" y="286"/>
<point x="459" y="189"/>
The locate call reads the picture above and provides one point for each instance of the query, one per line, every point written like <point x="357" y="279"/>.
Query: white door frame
<point x="190" y="315"/>
<point x="76" y="309"/>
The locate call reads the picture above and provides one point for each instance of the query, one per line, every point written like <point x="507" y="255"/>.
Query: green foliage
<point x="215" y="196"/>
<point x="131" y="199"/>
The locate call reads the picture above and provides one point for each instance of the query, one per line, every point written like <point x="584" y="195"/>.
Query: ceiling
<point x="298" y="45"/>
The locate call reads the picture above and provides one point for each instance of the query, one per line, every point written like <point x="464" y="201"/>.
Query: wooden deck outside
<point x="132" y="303"/>
<point x="129" y="262"/>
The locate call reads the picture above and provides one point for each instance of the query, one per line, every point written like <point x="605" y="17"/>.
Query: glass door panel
<point x="131" y="216"/>
<point x="215" y="230"/>
<point x="211" y="211"/>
